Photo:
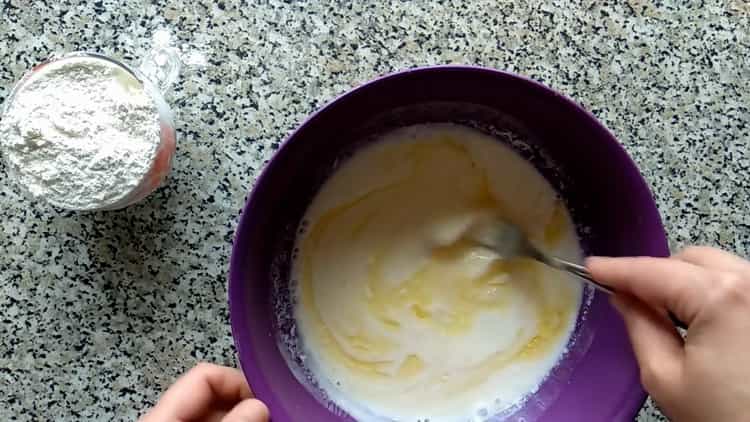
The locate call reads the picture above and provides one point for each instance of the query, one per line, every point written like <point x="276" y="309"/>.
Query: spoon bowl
<point x="508" y="241"/>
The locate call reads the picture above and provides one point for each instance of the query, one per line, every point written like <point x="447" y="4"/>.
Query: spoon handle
<point x="578" y="270"/>
<point x="582" y="272"/>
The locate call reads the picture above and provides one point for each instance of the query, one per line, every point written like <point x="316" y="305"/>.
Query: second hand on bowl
<point x="508" y="241"/>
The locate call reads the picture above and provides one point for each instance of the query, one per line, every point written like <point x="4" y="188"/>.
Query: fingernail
<point x="591" y="260"/>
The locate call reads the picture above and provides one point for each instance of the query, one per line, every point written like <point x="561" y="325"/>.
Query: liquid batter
<point x="402" y="317"/>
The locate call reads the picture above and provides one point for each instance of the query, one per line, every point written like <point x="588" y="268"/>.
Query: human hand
<point x="208" y="393"/>
<point x="706" y="376"/>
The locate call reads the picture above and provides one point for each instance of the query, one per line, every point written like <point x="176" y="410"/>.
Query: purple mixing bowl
<point x="610" y="203"/>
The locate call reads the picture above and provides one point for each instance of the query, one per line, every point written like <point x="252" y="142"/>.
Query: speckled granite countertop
<point x="100" y="312"/>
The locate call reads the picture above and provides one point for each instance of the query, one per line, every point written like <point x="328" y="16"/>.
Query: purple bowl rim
<point x="633" y="401"/>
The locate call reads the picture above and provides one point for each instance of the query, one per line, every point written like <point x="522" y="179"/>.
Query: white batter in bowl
<point x="403" y="319"/>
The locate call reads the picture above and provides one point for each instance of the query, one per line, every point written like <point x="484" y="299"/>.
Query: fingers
<point x="667" y="284"/>
<point x="713" y="258"/>
<point x="657" y="345"/>
<point x="198" y="392"/>
<point x="250" y="410"/>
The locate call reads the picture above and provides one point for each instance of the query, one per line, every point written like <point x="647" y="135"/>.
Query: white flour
<point x="81" y="133"/>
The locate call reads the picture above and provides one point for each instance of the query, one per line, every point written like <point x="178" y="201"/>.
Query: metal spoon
<point x="508" y="241"/>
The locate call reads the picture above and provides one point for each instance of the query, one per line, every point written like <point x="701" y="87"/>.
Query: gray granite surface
<point x="100" y="312"/>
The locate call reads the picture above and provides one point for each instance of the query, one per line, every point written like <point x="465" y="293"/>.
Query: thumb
<point x="250" y="410"/>
<point x="665" y="284"/>
<point x="657" y="345"/>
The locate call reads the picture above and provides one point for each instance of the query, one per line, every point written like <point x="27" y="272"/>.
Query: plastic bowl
<point x="611" y="205"/>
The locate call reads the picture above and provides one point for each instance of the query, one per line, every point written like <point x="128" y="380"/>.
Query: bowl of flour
<point x="85" y="132"/>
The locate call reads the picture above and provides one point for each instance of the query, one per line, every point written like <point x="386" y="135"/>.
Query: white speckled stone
<point x="100" y="312"/>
